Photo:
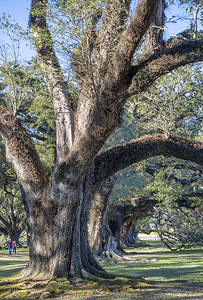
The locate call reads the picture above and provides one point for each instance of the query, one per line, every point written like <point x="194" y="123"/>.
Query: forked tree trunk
<point x="58" y="227"/>
<point x="58" y="210"/>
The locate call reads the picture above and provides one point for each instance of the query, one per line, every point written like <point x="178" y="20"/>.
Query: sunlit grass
<point x="173" y="275"/>
<point x="169" y="266"/>
<point x="11" y="264"/>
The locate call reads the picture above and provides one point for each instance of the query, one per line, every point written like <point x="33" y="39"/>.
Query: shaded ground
<point x="169" y="276"/>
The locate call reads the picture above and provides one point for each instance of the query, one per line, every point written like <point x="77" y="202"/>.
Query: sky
<point x="16" y="8"/>
<point x="19" y="9"/>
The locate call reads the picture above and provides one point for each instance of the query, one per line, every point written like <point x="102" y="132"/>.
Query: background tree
<point x="179" y="229"/>
<point x="172" y="105"/>
<point x="12" y="212"/>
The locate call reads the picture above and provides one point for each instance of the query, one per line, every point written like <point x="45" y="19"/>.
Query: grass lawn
<point x="168" y="265"/>
<point x="172" y="275"/>
<point x="11" y="264"/>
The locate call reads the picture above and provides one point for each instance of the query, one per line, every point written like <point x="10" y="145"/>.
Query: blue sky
<point x="16" y="8"/>
<point x="19" y="9"/>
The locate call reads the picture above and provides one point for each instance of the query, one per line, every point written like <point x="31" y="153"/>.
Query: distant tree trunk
<point x="11" y="231"/>
<point x="142" y="208"/>
<point x="98" y="214"/>
<point x="119" y="214"/>
<point x="12" y="225"/>
<point x="132" y="236"/>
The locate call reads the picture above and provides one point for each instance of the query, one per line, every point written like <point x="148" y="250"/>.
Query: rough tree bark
<point x="98" y="220"/>
<point x="154" y="35"/>
<point x="60" y="204"/>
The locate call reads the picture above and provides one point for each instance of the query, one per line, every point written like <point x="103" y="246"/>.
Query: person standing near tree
<point x="9" y="244"/>
<point x="14" y="246"/>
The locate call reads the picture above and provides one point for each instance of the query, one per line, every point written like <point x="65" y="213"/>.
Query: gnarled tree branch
<point x="120" y="157"/>
<point x="162" y="62"/>
<point x="21" y="153"/>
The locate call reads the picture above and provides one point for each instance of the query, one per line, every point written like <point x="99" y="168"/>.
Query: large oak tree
<point x="58" y="207"/>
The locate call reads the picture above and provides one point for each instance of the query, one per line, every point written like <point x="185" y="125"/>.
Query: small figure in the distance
<point x="14" y="246"/>
<point x="9" y="244"/>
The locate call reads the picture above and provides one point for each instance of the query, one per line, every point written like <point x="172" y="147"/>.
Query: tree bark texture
<point x="98" y="216"/>
<point x="60" y="204"/>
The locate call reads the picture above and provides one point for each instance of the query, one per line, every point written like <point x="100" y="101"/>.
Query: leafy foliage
<point x="174" y="103"/>
<point x="179" y="229"/>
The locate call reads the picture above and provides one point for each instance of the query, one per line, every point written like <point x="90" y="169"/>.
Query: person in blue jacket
<point x="9" y="244"/>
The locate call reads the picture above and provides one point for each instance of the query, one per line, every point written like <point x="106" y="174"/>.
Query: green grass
<point x="170" y="266"/>
<point x="175" y="275"/>
<point x="11" y="264"/>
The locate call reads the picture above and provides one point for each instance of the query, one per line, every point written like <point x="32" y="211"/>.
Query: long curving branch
<point x="145" y="72"/>
<point x="120" y="157"/>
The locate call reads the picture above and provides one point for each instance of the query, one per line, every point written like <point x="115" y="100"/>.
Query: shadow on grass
<point x="158" y="271"/>
<point x="168" y="273"/>
<point x="11" y="272"/>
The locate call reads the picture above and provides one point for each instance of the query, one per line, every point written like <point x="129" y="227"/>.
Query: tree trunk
<point x="116" y="223"/>
<point x="142" y="208"/>
<point x="132" y="236"/>
<point x="54" y="232"/>
<point x="62" y="247"/>
<point x="97" y="218"/>
<point x="11" y="230"/>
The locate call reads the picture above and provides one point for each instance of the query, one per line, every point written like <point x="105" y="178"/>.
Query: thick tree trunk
<point x="59" y="233"/>
<point x="53" y="234"/>
<point x="97" y="220"/>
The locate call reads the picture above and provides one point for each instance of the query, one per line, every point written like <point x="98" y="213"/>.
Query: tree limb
<point x="21" y="153"/>
<point x="53" y="75"/>
<point x="120" y="157"/>
<point x="112" y="25"/>
<point x="130" y="40"/>
<point x="145" y="72"/>
<point x="4" y="221"/>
